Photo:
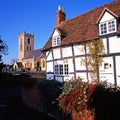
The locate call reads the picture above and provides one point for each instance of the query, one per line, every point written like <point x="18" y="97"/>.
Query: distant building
<point x="28" y="58"/>
<point x="65" y="49"/>
<point x="7" y="68"/>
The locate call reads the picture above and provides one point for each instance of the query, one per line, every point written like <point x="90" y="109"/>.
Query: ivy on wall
<point x="95" y="51"/>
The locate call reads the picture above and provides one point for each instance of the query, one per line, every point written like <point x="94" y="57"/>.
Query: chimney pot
<point x="59" y="8"/>
<point x="60" y="15"/>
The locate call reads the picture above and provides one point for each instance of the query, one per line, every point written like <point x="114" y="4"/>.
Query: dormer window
<point x="56" y="41"/>
<point x="107" y="27"/>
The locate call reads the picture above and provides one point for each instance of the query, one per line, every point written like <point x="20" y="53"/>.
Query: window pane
<point x="54" y="41"/>
<point x="58" y="40"/>
<point x="28" y="40"/>
<point x="66" y="69"/>
<point x="56" y="70"/>
<point x="61" y="69"/>
<point x="111" y="26"/>
<point x="103" y="28"/>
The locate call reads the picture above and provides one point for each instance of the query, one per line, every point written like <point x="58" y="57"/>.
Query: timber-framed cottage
<point x="64" y="49"/>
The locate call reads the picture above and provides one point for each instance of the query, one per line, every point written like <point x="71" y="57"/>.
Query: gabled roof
<point x="60" y="31"/>
<point x="19" y="64"/>
<point x="106" y="9"/>
<point x="34" y="54"/>
<point x="83" y="27"/>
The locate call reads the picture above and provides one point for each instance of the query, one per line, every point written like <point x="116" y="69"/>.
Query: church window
<point x="43" y="63"/>
<point x="28" y="40"/>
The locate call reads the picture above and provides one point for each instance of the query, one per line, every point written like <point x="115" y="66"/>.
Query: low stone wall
<point x="31" y="97"/>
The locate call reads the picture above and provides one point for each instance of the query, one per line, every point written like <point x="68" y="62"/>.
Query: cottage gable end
<point x="107" y="22"/>
<point x="106" y="15"/>
<point x="55" y="33"/>
<point x="56" y="38"/>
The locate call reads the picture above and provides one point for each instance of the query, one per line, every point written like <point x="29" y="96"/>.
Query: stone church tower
<point x="25" y="45"/>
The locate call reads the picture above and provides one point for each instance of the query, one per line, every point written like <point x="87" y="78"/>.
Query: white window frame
<point x="110" y="28"/>
<point x="61" y="69"/>
<point x="56" y="41"/>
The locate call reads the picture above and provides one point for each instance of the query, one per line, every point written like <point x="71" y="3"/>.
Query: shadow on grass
<point x="106" y="102"/>
<point x="10" y="80"/>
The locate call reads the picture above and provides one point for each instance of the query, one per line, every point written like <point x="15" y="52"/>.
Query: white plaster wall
<point x="107" y="16"/>
<point x="49" y="67"/>
<point x="49" y="55"/>
<point x="58" y="62"/>
<point x="66" y="61"/>
<point x="104" y="40"/>
<point x="106" y="72"/>
<point x="55" y="33"/>
<point x="69" y="77"/>
<point x="114" y="44"/>
<point x="83" y="76"/>
<point x="71" y="65"/>
<point x="87" y="49"/>
<point x="67" y="52"/>
<point x="56" y="53"/>
<point x="79" y="50"/>
<point x="90" y="78"/>
<point x="107" y="78"/>
<point x="78" y="64"/>
<point x="117" y="59"/>
<point x="64" y="78"/>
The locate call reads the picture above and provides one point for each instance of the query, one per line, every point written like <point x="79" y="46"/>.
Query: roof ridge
<point x="87" y="12"/>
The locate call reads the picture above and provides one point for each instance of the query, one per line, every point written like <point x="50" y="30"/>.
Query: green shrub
<point x="50" y="90"/>
<point x="105" y="100"/>
<point x="75" y="98"/>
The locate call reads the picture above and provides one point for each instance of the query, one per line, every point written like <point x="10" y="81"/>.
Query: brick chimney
<point x="60" y="16"/>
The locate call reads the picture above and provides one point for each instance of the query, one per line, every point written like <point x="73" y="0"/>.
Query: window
<point x="111" y="26"/>
<point x="28" y="40"/>
<point x="66" y="69"/>
<point x="56" y="41"/>
<point x="103" y="28"/>
<point x="107" y="66"/>
<point x="21" y="47"/>
<point x="107" y="27"/>
<point x="61" y="69"/>
<point x="27" y="48"/>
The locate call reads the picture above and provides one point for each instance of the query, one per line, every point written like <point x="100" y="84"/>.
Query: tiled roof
<point x="84" y="27"/>
<point x="34" y="54"/>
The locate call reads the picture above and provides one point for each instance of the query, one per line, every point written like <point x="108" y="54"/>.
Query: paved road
<point x="12" y="108"/>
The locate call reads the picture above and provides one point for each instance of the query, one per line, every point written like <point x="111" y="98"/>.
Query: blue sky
<point x="38" y="17"/>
